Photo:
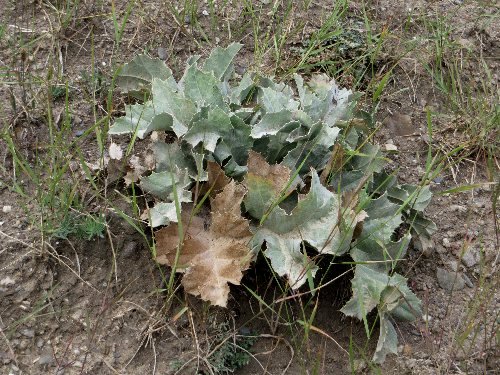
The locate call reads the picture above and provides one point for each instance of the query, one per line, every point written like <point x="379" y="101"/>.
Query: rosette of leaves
<point x="254" y="165"/>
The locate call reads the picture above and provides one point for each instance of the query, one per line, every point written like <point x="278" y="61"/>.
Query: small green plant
<point x="83" y="226"/>
<point x="295" y="176"/>
<point x="232" y="351"/>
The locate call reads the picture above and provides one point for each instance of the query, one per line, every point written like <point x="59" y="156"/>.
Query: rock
<point x="130" y="249"/>
<point x="162" y="53"/>
<point x="79" y="133"/>
<point x="28" y="333"/>
<point x="424" y="245"/>
<point x="453" y="264"/>
<point x="399" y="124"/>
<point x="6" y="209"/>
<point x="468" y="281"/>
<point x="457" y="208"/>
<point x="446" y="242"/>
<point x="450" y="281"/>
<point x="469" y="258"/>
<point x="45" y="359"/>
<point x="7" y="281"/>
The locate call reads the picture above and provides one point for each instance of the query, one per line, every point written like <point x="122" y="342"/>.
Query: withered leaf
<point x="210" y="259"/>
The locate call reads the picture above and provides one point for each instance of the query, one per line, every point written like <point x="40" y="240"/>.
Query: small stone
<point x="446" y="242"/>
<point x="427" y="318"/>
<point x="468" y="281"/>
<point x="453" y="264"/>
<point x="438" y="180"/>
<point x="77" y="364"/>
<point x="45" y="359"/>
<point x="79" y="133"/>
<point x="424" y="245"/>
<point x="28" y="333"/>
<point x="469" y="258"/>
<point x="130" y="249"/>
<point x="450" y="281"/>
<point x="390" y="147"/>
<point x="7" y="281"/>
<point x="399" y="124"/>
<point x="205" y="12"/>
<point x="39" y="343"/>
<point x="162" y="53"/>
<point x="457" y="208"/>
<point x="6" y="209"/>
<point x="187" y="19"/>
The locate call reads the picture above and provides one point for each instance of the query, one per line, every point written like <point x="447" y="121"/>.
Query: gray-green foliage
<point x="334" y="180"/>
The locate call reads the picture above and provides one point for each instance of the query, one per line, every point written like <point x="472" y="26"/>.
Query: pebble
<point x="79" y="133"/>
<point x="457" y="208"/>
<point x="130" y="249"/>
<point x="424" y="245"/>
<point x="469" y="258"/>
<point x="162" y="53"/>
<point x="28" y="333"/>
<point x="467" y="281"/>
<point x="6" y="209"/>
<point x="45" y="359"/>
<point x="446" y="242"/>
<point x="451" y="281"/>
<point x="205" y="12"/>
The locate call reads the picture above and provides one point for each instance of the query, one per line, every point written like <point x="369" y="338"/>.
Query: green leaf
<point x="421" y="225"/>
<point x="383" y="219"/>
<point x="315" y="146"/>
<point x="167" y="100"/>
<point x="162" y="184"/>
<point x="315" y="220"/>
<point x="264" y="183"/>
<point x="414" y="197"/>
<point x="209" y="130"/>
<point x="367" y="286"/>
<point x="271" y="123"/>
<point x="141" y="120"/>
<point x="234" y="146"/>
<point x="162" y="214"/>
<point x="276" y="101"/>
<point x="170" y="155"/>
<point x="202" y="88"/>
<point x="387" y="340"/>
<point x="380" y="256"/>
<point x="138" y="74"/>
<point x="241" y="92"/>
<point x="220" y="61"/>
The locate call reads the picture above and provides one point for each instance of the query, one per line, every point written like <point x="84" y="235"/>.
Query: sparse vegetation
<point x="69" y="198"/>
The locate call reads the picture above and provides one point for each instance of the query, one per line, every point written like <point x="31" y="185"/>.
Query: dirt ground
<point x="95" y="307"/>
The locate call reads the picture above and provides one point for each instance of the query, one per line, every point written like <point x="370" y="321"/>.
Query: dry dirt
<point x="68" y="308"/>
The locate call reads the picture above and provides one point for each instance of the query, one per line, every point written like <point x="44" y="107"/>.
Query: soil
<point x="97" y="307"/>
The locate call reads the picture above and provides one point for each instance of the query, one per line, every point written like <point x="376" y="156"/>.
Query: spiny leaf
<point x="210" y="259"/>
<point x="141" y="120"/>
<point x="167" y="100"/>
<point x="162" y="184"/>
<point x="264" y="183"/>
<point x="387" y="340"/>
<point x="170" y="155"/>
<point x="209" y="130"/>
<point x="202" y="88"/>
<point x="317" y="219"/>
<point x="138" y="74"/>
<point x="160" y="214"/>
<point x="415" y="197"/>
<point x="220" y="61"/>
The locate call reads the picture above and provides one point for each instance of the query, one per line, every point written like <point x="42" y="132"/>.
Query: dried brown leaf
<point x="210" y="259"/>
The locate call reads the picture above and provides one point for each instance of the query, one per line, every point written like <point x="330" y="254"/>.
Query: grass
<point x="350" y="47"/>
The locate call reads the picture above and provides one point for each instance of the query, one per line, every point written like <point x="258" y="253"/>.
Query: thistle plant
<point x="252" y="165"/>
